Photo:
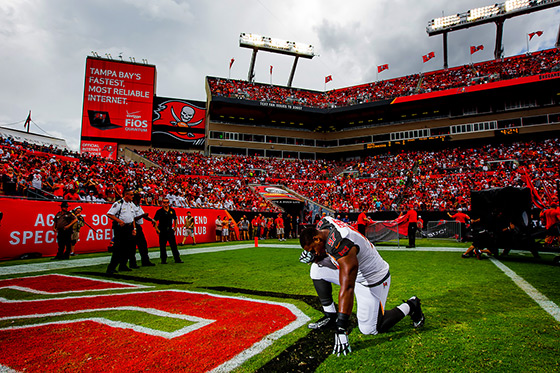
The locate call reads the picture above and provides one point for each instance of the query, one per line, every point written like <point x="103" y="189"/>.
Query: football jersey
<point x="371" y="266"/>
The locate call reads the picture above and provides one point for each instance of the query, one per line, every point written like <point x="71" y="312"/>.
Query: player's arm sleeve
<point x="343" y="248"/>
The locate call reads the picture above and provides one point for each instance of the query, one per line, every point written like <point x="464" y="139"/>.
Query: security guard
<point x="167" y="225"/>
<point x="122" y="214"/>
<point x="62" y="224"/>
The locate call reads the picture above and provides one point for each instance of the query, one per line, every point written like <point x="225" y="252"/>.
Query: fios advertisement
<point x="101" y="149"/>
<point x="118" y="100"/>
<point x="178" y="123"/>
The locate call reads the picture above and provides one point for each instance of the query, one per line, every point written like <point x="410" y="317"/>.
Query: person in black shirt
<point x="62" y="224"/>
<point x="167" y="225"/>
<point x="9" y="182"/>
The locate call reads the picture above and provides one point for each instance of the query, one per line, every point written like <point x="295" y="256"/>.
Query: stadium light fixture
<point x="512" y="5"/>
<point x="268" y="44"/>
<point x="484" y="12"/>
<point x="276" y="45"/>
<point x="447" y="21"/>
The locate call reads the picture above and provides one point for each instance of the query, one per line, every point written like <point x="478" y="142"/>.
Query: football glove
<point x="306" y="257"/>
<point x="341" y="343"/>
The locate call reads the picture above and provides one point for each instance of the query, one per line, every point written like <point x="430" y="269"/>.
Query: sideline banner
<point x="27" y="227"/>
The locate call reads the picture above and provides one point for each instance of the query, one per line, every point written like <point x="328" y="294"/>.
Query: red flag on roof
<point x="328" y="78"/>
<point x="270" y="69"/>
<point x="476" y="49"/>
<point x="27" y="121"/>
<point x="380" y="68"/>
<point x="231" y="62"/>
<point x="538" y="33"/>
<point x="428" y="56"/>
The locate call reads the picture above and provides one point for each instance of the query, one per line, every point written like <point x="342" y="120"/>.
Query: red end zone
<point x="228" y="328"/>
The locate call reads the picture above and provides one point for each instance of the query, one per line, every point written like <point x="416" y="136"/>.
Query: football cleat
<point x="323" y="323"/>
<point x="416" y="312"/>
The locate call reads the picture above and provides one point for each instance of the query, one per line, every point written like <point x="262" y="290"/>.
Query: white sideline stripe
<point x="75" y="263"/>
<point x="545" y="303"/>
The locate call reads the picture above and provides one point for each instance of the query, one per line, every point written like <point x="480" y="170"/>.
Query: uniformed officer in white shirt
<point x="122" y="214"/>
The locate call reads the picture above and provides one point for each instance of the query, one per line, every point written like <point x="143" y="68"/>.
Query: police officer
<point x="141" y="242"/>
<point x="122" y="214"/>
<point x="62" y="224"/>
<point x="167" y="224"/>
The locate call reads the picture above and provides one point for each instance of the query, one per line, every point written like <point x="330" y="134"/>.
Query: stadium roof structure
<point x="268" y="44"/>
<point x="496" y="13"/>
<point x="32" y="138"/>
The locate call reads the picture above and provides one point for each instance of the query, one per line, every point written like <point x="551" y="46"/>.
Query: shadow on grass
<point x="528" y="259"/>
<point x="134" y="278"/>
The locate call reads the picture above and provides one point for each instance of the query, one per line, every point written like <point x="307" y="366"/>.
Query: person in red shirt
<point x="363" y="221"/>
<point x="551" y="217"/>
<point x="280" y="227"/>
<point x="72" y="195"/>
<point x="412" y="218"/>
<point x="255" y="223"/>
<point x="463" y="220"/>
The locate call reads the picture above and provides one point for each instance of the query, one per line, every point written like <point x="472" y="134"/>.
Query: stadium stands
<point x="439" y="180"/>
<point x="467" y="75"/>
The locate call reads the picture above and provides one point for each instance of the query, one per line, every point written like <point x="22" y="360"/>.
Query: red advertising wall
<point x="118" y="100"/>
<point x="31" y="232"/>
<point x="100" y="149"/>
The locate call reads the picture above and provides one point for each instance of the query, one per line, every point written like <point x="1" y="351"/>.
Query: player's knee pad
<point x="324" y="291"/>
<point x="389" y="319"/>
<point x="368" y="329"/>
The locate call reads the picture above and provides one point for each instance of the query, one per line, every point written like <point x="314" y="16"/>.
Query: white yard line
<point x="545" y="303"/>
<point x="75" y="262"/>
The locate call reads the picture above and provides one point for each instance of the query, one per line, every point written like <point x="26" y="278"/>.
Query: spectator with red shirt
<point x="72" y="195"/>
<point x="279" y="221"/>
<point x="363" y="221"/>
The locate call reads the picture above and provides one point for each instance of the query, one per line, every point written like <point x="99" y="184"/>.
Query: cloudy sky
<point x="44" y="45"/>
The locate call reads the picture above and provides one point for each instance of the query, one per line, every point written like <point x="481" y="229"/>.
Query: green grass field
<point x="477" y="318"/>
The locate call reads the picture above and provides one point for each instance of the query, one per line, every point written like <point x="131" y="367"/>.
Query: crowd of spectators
<point x="462" y="76"/>
<point x="29" y="174"/>
<point x="435" y="180"/>
<point x="439" y="180"/>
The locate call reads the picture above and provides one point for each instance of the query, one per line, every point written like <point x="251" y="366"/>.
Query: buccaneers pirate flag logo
<point x="180" y="120"/>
